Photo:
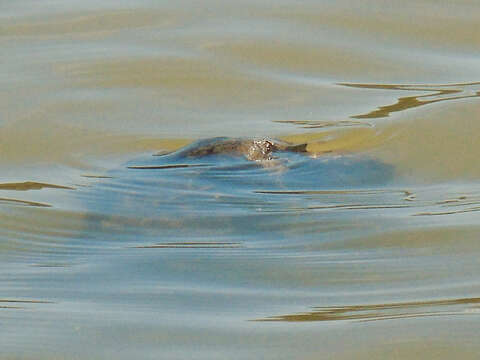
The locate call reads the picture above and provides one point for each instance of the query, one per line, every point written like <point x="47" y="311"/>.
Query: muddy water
<point x="364" y="247"/>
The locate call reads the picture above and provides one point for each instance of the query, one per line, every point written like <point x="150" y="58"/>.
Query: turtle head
<point x="261" y="150"/>
<point x="268" y="146"/>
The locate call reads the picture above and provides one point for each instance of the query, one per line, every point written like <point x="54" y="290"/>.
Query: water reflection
<point x="89" y="24"/>
<point x="416" y="309"/>
<point x="19" y="304"/>
<point x="8" y="201"/>
<point x="31" y="185"/>
<point x="437" y="93"/>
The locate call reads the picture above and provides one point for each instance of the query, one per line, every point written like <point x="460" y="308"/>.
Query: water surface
<point x="364" y="247"/>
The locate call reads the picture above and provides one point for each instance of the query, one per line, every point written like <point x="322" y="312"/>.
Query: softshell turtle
<point x="251" y="149"/>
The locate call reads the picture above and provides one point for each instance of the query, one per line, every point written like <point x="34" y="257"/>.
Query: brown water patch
<point x="192" y="81"/>
<point x="339" y="140"/>
<point x="38" y="139"/>
<point x="416" y="344"/>
<point x="99" y="23"/>
<point x="390" y="311"/>
<point x="30" y="185"/>
<point x="33" y="223"/>
<point x="437" y="144"/>
<point x="313" y="58"/>
<point x="420" y="23"/>
<point x="417" y="241"/>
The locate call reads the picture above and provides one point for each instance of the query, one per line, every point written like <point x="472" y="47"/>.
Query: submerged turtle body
<point x="252" y="149"/>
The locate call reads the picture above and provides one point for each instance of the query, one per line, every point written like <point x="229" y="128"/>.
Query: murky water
<point x="367" y="246"/>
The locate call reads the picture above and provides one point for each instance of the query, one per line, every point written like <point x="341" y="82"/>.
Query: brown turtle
<point x="252" y="149"/>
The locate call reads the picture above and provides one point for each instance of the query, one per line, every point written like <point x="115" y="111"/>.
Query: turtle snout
<point x="268" y="146"/>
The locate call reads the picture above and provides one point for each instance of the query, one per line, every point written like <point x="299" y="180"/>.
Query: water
<point x="364" y="247"/>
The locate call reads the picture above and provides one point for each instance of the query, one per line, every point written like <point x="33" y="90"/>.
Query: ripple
<point x="23" y="202"/>
<point x="31" y="185"/>
<point x="391" y="311"/>
<point x="173" y="166"/>
<point x="92" y="23"/>
<point x="192" y="245"/>
<point x="437" y="93"/>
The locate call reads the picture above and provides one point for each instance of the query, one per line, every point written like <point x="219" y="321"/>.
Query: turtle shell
<point x="252" y="149"/>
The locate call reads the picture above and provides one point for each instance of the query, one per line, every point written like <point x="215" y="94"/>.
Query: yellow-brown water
<point x="366" y="248"/>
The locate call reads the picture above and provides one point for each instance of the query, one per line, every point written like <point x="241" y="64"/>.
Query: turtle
<point x="251" y="149"/>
